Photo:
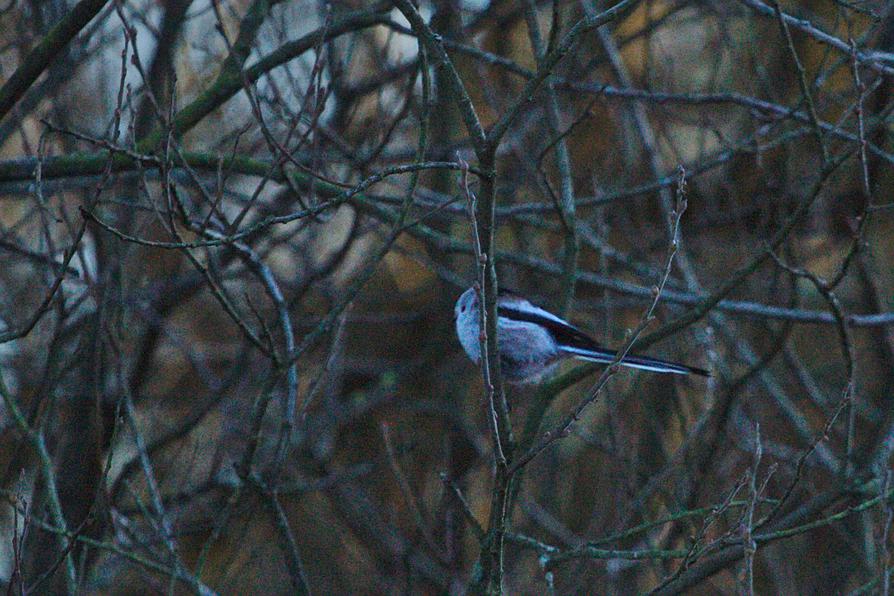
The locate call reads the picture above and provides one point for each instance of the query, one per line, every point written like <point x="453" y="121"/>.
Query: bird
<point x="533" y="341"/>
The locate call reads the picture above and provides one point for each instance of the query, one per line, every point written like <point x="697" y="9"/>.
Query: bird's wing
<point x="518" y="309"/>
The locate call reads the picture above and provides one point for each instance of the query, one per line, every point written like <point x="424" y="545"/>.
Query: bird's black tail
<point x="633" y="361"/>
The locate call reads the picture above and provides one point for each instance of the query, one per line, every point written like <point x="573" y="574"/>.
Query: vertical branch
<point x="481" y="264"/>
<point x="297" y="573"/>
<point x="563" y="159"/>
<point x="802" y="81"/>
<point x="38" y="442"/>
<point x="490" y="562"/>
<point x="748" y="522"/>
<point x="847" y="349"/>
<point x="860" y="89"/>
<point x="488" y="577"/>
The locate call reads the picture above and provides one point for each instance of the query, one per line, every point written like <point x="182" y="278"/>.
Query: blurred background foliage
<point x="156" y="439"/>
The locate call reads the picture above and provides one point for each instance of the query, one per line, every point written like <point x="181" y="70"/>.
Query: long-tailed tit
<point x="533" y="341"/>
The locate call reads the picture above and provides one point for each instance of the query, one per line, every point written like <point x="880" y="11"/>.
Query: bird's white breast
<point x="468" y="334"/>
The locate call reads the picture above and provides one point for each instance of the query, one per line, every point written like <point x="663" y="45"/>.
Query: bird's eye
<point x="463" y="308"/>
